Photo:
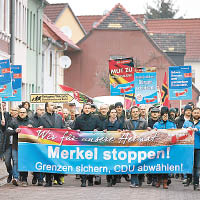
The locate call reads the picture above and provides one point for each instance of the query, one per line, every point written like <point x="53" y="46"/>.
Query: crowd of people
<point x="106" y="118"/>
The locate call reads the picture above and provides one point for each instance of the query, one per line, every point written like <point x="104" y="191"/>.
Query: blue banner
<point x="180" y="83"/>
<point x="5" y="79"/>
<point x="76" y="159"/>
<point x="145" y="86"/>
<point x="16" y="71"/>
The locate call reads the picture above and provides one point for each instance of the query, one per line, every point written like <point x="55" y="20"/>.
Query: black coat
<point x="180" y="121"/>
<point x="53" y="121"/>
<point x="102" y="120"/>
<point x="2" y="130"/>
<point x="87" y="123"/>
<point x="12" y="126"/>
<point x="151" y="122"/>
<point x="113" y="126"/>
<point x="36" y="120"/>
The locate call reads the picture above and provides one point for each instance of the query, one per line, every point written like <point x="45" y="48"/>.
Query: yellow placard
<point x="55" y="98"/>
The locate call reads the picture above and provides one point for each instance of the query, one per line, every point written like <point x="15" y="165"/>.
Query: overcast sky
<point x="187" y="8"/>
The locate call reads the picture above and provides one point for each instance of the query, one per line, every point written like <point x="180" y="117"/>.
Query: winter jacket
<point x="87" y="122"/>
<point x="151" y="122"/>
<point x="190" y="123"/>
<point x="180" y="121"/>
<point x="164" y="125"/>
<point x="108" y="125"/>
<point x="12" y="126"/>
<point x="142" y="124"/>
<point x="102" y="120"/>
<point x="51" y="121"/>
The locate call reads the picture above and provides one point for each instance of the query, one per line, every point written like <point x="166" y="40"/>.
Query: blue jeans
<point x="134" y="179"/>
<point x="196" y="170"/>
<point x="11" y="153"/>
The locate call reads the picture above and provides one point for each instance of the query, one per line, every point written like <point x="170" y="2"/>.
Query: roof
<point x="170" y="42"/>
<point x="118" y="18"/>
<point x="50" y="30"/>
<point x="191" y="28"/>
<point x="88" y="21"/>
<point x="53" y="11"/>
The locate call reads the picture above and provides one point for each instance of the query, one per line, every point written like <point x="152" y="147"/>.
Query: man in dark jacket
<point x="186" y="116"/>
<point x="51" y="120"/>
<point x="8" y="147"/>
<point x="87" y="122"/>
<point x="120" y="111"/>
<point x="4" y="118"/>
<point x="13" y="130"/>
<point x="135" y="123"/>
<point x="37" y="176"/>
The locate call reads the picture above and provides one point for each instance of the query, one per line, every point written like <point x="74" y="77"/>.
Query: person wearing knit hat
<point x="164" y="123"/>
<point x="172" y="114"/>
<point x="186" y="116"/>
<point x="187" y="107"/>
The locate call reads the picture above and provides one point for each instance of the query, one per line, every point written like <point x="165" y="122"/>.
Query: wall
<point x="34" y="47"/>
<point x="4" y="29"/>
<point x="67" y="19"/>
<point x="89" y="65"/>
<point x="20" y="57"/>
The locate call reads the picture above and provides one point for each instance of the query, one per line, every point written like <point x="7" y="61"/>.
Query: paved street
<point x="72" y="190"/>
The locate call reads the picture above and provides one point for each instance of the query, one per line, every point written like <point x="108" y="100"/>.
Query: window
<point x="30" y="30"/>
<point x="193" y="75"/>
<point x="16" y="21"/>
<point x="28" y="24"/>
<point x="34" y="32"/>
<point x="116" y="57"/>
<point x="1" y="15"/>
<point x="33" y="88"/>
<point x="19" y="21"/>
<point x="51" y="64"/>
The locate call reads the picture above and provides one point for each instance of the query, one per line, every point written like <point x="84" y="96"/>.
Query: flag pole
<point x="125" y="105"/>
<point x="180" y="106"/>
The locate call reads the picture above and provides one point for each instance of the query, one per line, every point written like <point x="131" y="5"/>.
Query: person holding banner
<point x="112" y="124"/>
<point x="51" y="120"/>
<point x="8" y="145"/>
<point x="37" y="176"/>
<point x="87" y="122"/>
<point x="135" y="123"/>
<point x="13" y="129"/>
<point x="120" y="111"/>
<point x="164" y="123"/>
<point x="153" y="118"/>
<point x="195" y="123"/>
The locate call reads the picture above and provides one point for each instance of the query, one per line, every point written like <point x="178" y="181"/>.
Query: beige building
<point x="63" y="17"/>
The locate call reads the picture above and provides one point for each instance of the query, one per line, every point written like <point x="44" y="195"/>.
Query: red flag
<point x="78" y="96"/>
<point x="67" y="88"/>
<point x="164" y="92"/>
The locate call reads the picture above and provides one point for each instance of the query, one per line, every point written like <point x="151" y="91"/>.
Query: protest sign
<point x="55" y="98"/>
<point x="180" y="83"/>
<point x="16" y="75"/>
<point x="121" y="74"/>
<point x="145" y="86"/>
<point x="5" y="78"/>
<point x="72" y="152"/>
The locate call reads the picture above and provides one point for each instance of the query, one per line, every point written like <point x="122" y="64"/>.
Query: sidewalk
<point x="121" y="191"/>
<point x="3" y="171"/>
